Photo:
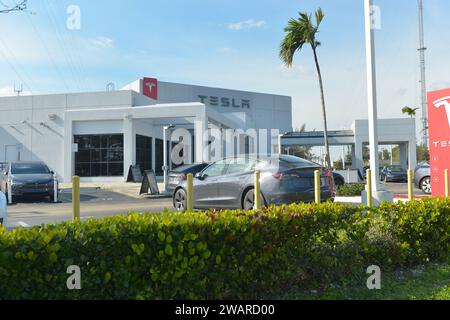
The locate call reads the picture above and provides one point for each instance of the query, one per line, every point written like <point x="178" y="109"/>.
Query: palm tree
<point x="410" y="111"/>
<point x="299" y="32"/>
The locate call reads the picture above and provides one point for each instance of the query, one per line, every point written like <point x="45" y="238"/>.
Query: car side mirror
<point x="52" y="172"/>
<point x="199" y="176"/>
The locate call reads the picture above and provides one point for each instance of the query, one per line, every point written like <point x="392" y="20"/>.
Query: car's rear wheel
<point x="179" y="200"/>
<point x="425" y="185"/>
<point x="248" y="201"/>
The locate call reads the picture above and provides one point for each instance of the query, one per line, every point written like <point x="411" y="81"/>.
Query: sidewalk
<point x="129" y="189"/>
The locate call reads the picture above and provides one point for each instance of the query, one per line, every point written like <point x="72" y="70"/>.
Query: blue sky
<point x="231" y="44"/>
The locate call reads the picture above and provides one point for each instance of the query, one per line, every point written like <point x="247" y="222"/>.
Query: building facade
<point x="99" y="135"/>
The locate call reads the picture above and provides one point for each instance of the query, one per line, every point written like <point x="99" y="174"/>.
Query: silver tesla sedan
<point x="229" y="183"/>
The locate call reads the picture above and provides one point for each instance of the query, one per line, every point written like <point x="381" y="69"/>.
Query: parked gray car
<point x="27" y="179"/>
<point x="422" y="177"/>
<point x="229" y="183"/>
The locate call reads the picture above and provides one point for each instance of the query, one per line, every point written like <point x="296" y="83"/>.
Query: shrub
<point x="226" y="254"/>
<point x="350" y="189"/>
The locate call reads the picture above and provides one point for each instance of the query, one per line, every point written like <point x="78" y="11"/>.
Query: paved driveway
<point x="94" y="203"/>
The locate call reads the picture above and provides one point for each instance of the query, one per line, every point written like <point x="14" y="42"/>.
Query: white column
<point x="404" y="155"/>
<point x="412" y="154"/>
<point x="201" y="131"/>
<point x="372" y="94"/>
<point x="68" y="156"/>
<point x="129" y="145"/>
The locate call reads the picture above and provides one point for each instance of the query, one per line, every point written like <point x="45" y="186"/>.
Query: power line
<point x="22" y="6"/>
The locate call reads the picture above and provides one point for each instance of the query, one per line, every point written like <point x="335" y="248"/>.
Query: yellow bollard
<point x="317" y="185"/>
<point x="446" y="183"/>
<point x="369" y="187"/>
<point x="257" y="193"/>
<point x="190" y="193"/>
<point x="410" y="184"/>
<point x="75" y="198"/>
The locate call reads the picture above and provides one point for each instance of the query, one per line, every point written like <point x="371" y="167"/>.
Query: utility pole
<point x="423" y="84"/>
<point x="373" y="194"/>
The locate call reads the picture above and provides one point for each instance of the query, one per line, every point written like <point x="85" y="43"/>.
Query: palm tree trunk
<point x="324" y="111"/>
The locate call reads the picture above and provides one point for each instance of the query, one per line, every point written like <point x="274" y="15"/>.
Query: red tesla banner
<point x="439" y="132"/>
<point x="150" y="88"/>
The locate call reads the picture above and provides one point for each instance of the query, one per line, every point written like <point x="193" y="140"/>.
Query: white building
<point x="99" y="135"/>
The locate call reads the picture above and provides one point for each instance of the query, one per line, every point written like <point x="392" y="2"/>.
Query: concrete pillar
<point x="354" y="165"/>
<point x="129" y="145"/>
<point x="201" y="138"/>
<point x="412" y="154"/>
<point x="358" y="152"/>
<point x="68" y="156"/>
<point x="403" y="155"/>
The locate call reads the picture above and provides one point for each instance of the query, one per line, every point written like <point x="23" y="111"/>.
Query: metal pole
<point x="257" y="203"/>
<point x="369" y="187"/>
<point x="410" y="184"/>
<point x="75" y="198"/>
<point x="446" y="183"/>
<point x="372" y="94"/>
<point x="317" y="186"/>
<point x="9" y="189"/>
<point x="423" y="84"/>
<point x="55" y="189"/>
<point x="165" y="174"/>
<point x="190" y="193"/>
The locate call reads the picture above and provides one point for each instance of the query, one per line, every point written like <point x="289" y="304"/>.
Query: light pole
<point x="165" y="166"/>
<point x="378" y="194"/>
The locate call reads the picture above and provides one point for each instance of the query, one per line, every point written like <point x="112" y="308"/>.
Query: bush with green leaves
<point x="350" y="189"/>
<point x="217" y="255"/>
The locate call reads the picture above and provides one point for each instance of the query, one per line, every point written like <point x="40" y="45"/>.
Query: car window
<point x="396" y="169"/>
<point x="215" y="169"/>
<point x="29" y="168"/>
<point x="292" y="160"/>
<point x="240" y="165"/>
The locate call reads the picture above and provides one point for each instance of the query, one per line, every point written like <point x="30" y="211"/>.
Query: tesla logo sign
<point x="439" y="132"/>
<point x="150" y="88"/>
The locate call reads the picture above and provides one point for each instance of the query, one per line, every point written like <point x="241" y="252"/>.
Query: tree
<point x="410" y="111"/>
<point x="423" y="153"/>
<point x="21" y="6"/>
<point x="299" y="32"/>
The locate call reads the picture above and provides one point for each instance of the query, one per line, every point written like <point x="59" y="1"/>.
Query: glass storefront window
<point x="99" y="155"/>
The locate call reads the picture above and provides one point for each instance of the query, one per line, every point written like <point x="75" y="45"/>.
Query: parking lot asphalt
<point x="98" y="202"/>
<point x="95" y="203"/>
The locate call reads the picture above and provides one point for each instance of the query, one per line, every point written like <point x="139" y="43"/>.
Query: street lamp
<point x="165" y="166"/>
<point x="378" y="194"/>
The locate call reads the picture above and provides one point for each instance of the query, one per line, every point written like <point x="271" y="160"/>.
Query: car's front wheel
<point x="425" y="185"/>
<point x="179" y="200"/>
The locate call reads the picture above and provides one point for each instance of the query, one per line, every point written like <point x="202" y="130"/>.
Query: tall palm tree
<point x="410" y="111"/>
<point x="299" y="32"/>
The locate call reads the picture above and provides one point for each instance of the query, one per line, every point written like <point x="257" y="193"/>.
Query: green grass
<point x="431" y="282"/>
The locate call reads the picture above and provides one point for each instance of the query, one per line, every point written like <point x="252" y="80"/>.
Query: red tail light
<point x="329" y="174"/>
<point x="183" y="177"/>
<point x="278" y="176"/>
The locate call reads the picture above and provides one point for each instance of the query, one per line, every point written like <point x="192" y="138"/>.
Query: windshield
<point x="297" y="161"/>
<point x="29" y="168"/>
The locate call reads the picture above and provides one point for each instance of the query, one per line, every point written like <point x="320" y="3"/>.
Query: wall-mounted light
<point x="52" y="117"/>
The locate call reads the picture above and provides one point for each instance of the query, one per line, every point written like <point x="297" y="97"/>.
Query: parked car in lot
<point x="422" y="177"/>
<point x="229" y="183"/>
<point x="27" y="179"/>
<point x="176" y="176"/>
<point x="394" y="174"/>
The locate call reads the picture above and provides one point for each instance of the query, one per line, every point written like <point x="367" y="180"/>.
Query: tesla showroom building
<point x="99" y="135"/>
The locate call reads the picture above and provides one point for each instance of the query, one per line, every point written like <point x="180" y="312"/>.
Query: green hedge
<point x="214" y="255"/>
<point x="350" y="189"/>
